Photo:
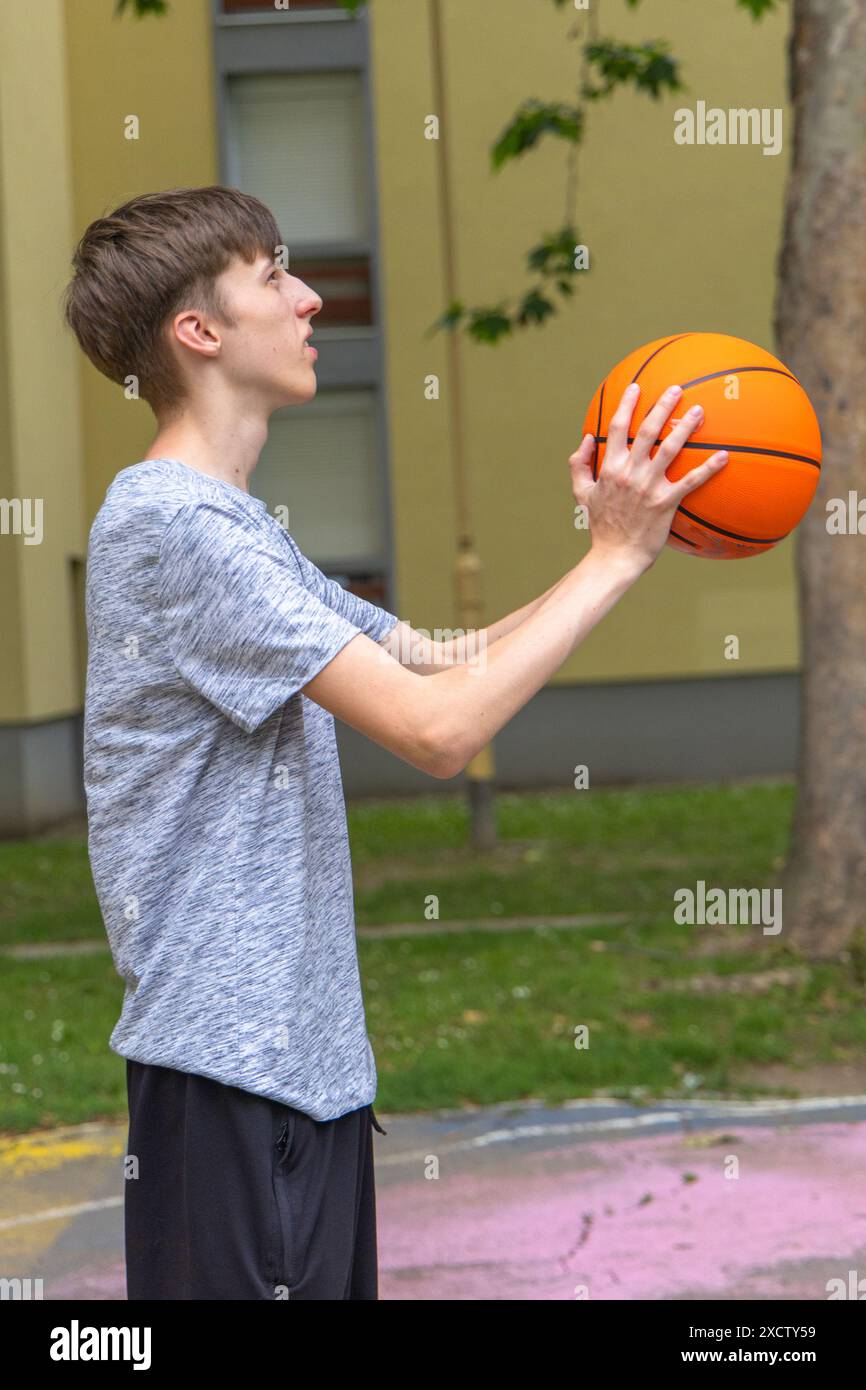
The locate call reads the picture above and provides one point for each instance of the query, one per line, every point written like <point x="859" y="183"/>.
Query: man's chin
<point x="301" y="391"/>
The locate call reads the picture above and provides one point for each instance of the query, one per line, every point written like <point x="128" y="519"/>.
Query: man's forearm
<point x="507" y="624"/>
<point x="469" y="704"/>
<point x="427" y="656"/>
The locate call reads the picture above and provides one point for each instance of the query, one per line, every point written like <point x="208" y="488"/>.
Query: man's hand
<point x="631" y="505"/>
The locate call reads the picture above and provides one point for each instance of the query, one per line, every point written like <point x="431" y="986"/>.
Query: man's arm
<point x="427" y="655"/>
<point x="439" y="724"/>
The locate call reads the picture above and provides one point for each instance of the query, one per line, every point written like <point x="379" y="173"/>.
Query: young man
<point x="218" y="658"/>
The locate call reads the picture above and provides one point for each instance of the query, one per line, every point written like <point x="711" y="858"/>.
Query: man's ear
<point x="192" y="331"/>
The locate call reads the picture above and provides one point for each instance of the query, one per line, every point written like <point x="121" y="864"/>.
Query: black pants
<point x="232" y="1196"/>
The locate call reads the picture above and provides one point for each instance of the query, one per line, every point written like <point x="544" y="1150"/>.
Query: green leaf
<point x="649" y="66"/>
<point x="757" y="8"/>
<point x="450" y="319"/>
<point x="140" y="8"/>
<point x="532" y="120"/>
<point x="555" y="255"/>
<point x="535" y="308"/>
<point x="485" y="325"/>
<point x="489" y="325"/>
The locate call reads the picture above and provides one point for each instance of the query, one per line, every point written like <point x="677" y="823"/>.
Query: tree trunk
<point x="821" y="334"/>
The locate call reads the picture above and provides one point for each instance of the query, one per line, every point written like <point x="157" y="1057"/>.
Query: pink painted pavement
<point x="592" y="1200"/>
<point x="620" y="1219"/>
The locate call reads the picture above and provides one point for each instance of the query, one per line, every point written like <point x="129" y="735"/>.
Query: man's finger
<point x="617" y="432"/>
<point x="585" y="447"/>
<point x="696" y="476"/>
<point x="580" y="464"/>
<point x="651" y="427"/>
<point x="673" y="443"/>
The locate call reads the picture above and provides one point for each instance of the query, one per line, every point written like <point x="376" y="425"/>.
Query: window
<point x="298" y="144"/>
<point x="321" y="462"/>
<point x="295" y="130"/>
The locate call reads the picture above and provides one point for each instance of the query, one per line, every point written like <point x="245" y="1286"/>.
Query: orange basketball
<point x="753" y="407"/>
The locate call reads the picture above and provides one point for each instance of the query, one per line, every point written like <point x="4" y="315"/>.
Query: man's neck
<point x="223" y="449"/>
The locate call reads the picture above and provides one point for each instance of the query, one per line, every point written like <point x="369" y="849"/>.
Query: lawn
<point x="470" y="1017"/>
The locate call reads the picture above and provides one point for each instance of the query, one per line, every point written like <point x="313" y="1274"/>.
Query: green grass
<point x="46" y="891"/>
<point x="478" y="1016"/>
<point x="564" y="853"/>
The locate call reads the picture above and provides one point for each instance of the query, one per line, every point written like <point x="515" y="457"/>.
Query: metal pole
<point x="468" y="568"/>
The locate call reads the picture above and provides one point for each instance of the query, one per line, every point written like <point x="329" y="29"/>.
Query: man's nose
<point x="309" y="301"/>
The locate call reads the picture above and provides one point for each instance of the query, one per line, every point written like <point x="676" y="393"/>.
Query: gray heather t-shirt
<point x="216" y="819"/>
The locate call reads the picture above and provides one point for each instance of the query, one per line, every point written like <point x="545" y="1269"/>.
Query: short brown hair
<point x="147" y="260"/>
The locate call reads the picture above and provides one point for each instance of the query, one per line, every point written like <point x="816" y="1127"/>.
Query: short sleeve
<point x="241" y="627"/>
<point x="368" y="617"/>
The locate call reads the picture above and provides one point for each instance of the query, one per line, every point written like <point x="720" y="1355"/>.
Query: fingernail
<point x="633" y="388"/>
<point x="696" y="410"/>
<point x="723" y="456"/>
<point x="675" y="391"/>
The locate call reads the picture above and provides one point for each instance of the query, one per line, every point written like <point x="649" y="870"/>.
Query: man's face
<point x="266" y="354"/>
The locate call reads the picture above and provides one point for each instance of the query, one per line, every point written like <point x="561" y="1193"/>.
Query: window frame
<point x="313" y="41"/>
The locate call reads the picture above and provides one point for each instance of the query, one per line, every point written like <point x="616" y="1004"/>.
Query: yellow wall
<point x="40" y="456"/>
<point x="160" y="70"/>
<point x="681" y="238"/>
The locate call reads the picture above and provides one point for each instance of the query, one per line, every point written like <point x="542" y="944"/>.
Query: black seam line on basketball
<point x="598" y="431"/>
<point x="731" y="448"/>
<point x="734" y="535"/>
<point x="659" y="349"/>
<point x="736" y="371"/>
<point x="684" y="539"/>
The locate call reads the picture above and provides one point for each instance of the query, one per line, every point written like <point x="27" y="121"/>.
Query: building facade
<point x="327" y="117"/>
